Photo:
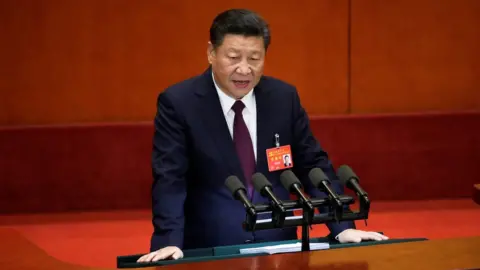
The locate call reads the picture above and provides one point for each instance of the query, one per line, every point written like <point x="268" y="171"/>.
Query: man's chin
<point x="240" y="93"/>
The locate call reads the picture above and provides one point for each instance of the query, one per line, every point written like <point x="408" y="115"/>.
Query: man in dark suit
<point x="219" y="124"/>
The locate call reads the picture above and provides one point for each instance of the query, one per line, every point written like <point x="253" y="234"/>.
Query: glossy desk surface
<point x="461" y="253"/>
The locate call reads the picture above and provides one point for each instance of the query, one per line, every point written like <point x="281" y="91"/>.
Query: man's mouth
<point x="241" y="83"/>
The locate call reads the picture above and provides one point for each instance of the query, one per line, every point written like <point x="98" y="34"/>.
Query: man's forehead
<point x="243" y="49"/>
<point x="241" y="43"/>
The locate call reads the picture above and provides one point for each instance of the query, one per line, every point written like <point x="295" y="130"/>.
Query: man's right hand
<point x="162" y="254"/>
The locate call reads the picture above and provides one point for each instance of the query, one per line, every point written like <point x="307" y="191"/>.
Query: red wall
<point x="415" y="55"/>
<point x="100" y="61"/>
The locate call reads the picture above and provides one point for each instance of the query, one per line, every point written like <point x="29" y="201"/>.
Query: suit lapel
<point x="211" y="113"/>
<point x="265" y="137"/>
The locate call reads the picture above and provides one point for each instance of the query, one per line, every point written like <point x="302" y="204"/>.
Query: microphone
<point x="238" y="191"/>
<point x="264" y="187"/>
<point x="291" y="183"/>
<point x="321" y="181"/>
<point x="349" y="179"/>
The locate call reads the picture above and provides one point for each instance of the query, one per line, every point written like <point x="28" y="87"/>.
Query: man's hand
<point x="162" y="254"/>
<point x="357" y="236"/>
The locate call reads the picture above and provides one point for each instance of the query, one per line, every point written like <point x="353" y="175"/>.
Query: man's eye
<point x="254" y="59"/>
<point x="234" y="57"/>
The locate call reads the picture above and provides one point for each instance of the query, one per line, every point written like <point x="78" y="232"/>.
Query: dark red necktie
<point x="243" y="145"/>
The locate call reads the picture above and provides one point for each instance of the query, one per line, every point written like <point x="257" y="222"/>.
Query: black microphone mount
<point x="264" y="187"/>
<point x="337" y="205"/>
<point x="349" y="179"/>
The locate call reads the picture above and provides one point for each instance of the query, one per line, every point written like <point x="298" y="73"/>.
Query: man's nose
<point x="244" y="68"/>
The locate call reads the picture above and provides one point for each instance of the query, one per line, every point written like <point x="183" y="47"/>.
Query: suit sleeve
<point x="169" y="167"/>
<point x="308" y="154"/>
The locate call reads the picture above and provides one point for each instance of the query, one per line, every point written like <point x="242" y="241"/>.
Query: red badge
<point x="279" y="158"/>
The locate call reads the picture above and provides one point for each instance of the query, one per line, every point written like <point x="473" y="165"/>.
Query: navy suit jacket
<point x="193" y="154"/>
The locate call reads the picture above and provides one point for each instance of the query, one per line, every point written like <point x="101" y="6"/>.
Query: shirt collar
<point x="227" y="101"/>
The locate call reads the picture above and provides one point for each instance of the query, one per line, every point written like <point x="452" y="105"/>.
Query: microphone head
<point x="234" y="184"/>
<point x="317" y="176"/>
<point x="260" y="181"/>
<point x="346" y="174"/>
<point x="288" y="178"/>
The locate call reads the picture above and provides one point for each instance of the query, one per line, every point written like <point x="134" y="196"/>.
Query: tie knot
<point x="238" y="106"/>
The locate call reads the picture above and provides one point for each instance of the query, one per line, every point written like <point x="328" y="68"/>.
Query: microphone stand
<point x="308" y="217"/>
<point x="306" y="230"/>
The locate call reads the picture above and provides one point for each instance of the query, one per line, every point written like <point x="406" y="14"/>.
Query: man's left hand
<point x="357" y="236"/>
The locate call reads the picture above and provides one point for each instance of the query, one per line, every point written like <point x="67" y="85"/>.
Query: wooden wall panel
<point x="107" y="60"/>
<point x="415" y="56"/>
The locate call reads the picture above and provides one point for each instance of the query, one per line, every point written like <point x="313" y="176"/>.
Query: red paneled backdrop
<point x="415" y="55"/>
<point x="104" y="60"/>
<point x="98" y="60"/>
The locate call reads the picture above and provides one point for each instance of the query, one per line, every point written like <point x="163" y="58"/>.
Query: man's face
<point x="237" y="64"/>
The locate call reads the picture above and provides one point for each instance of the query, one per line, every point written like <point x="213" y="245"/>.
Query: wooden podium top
<point x="449" y="254"/>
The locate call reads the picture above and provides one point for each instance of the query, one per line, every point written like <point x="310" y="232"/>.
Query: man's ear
<point x="210" y="52"/>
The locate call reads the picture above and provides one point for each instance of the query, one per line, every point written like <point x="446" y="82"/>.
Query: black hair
<point x="239" y="22"/>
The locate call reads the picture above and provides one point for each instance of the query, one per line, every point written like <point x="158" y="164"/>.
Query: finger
<point x="148" y="257"/>
<point x="380" y="236"/>
<point x="162" y="255"/>
<point x="373" y="236"/>
<point x="151" y="256"/>
<point x="356" y="239"/>
<point x="158" y="257"/>
<point x="368" y="236"/>
<point x="144" y="257"/>
<point x="177" y="255"/>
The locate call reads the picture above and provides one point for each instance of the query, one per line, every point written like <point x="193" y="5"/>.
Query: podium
<point x="457" y="253"/>
<point x="232" y="252"/>
<point x="222" y="257"/>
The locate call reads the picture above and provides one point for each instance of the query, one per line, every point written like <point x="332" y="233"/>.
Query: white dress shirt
<point x="249" y="113"/>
